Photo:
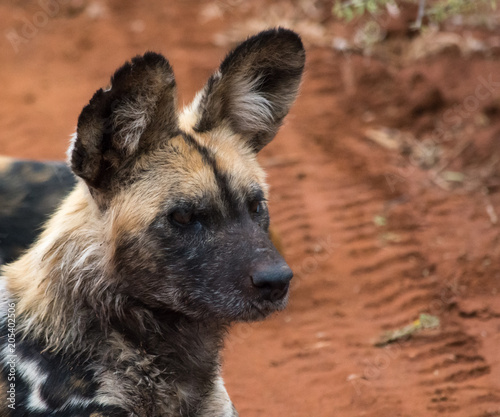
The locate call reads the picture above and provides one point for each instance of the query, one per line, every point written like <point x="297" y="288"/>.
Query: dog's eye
<point x="255" y="207"/>
<point x="182" y="217"/>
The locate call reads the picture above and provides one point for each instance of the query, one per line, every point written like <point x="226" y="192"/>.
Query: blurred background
<point x="385" y="184"/>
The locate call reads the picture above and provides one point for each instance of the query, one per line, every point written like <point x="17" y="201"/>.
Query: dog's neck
<point x="162" y="331"/>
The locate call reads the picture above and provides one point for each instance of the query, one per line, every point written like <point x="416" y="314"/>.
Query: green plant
<point x="347" y="10"/>
<point x="435" y="11"/>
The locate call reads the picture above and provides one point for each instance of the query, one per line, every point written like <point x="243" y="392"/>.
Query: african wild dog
<point x="121" y="305"/>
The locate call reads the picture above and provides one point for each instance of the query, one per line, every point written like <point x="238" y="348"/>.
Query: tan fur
<point x="3" y="388"/>
<point x="233" y="154"/>
<point x="5" y="164"/>
<point x="36" y="276"/>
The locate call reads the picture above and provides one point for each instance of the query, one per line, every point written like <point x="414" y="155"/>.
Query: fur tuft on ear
<point x="134" y="115"/>
<point x="254" y="87"/>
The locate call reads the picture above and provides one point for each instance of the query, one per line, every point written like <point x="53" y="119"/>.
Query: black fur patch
<point x="29" y="191"/>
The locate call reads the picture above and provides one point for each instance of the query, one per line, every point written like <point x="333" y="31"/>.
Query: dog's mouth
<point x="264" y="307"/>
<point x="272" y="294"/>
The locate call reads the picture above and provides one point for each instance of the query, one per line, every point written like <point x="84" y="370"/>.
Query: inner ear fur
<point x="134" y="115"/>
<point x="255" y="86"/>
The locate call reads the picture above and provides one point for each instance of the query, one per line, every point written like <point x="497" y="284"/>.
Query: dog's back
<point x="30" y="191"/>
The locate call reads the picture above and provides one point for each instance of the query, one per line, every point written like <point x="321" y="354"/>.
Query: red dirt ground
<point x="375" y="235"/>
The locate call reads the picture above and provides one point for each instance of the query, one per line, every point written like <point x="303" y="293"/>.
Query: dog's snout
<point x="273" y="279"/>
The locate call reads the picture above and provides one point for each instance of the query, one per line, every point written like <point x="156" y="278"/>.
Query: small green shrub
<point x="435" y="11"/>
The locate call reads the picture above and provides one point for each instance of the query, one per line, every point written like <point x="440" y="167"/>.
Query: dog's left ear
<point x="136" y="114"/>
<point x="255" y="87"/>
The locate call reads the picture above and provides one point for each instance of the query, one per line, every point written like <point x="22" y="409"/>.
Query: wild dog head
<point x="181" y="195"/>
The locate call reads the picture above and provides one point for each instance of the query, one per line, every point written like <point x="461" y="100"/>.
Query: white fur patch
<point x="31" y="373"/>
<point x="254" y="109"/>
<point x="35" y="402"/>
<point x="76" y="401"/>
<point x="72" y="142"/>
<point x="190" y="114"/>
<point x="219" y="404"/>
<point x="130" y="121"/>
<point x="4" y="294"/>
<point x="4" y="300"/>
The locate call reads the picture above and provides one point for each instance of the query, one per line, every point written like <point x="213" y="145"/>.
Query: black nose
<point x="273" y="280"/>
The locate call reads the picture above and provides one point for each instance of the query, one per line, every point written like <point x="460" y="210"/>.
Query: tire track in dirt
<point x="460" y="366"/>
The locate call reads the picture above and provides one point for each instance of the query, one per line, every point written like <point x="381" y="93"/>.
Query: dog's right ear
<point x="254" y="87"/>
<point x="136" y="114"/>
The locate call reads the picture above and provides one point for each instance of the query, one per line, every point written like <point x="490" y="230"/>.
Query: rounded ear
<point x="254" y="87"/>
<point x="135" y="114"/>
